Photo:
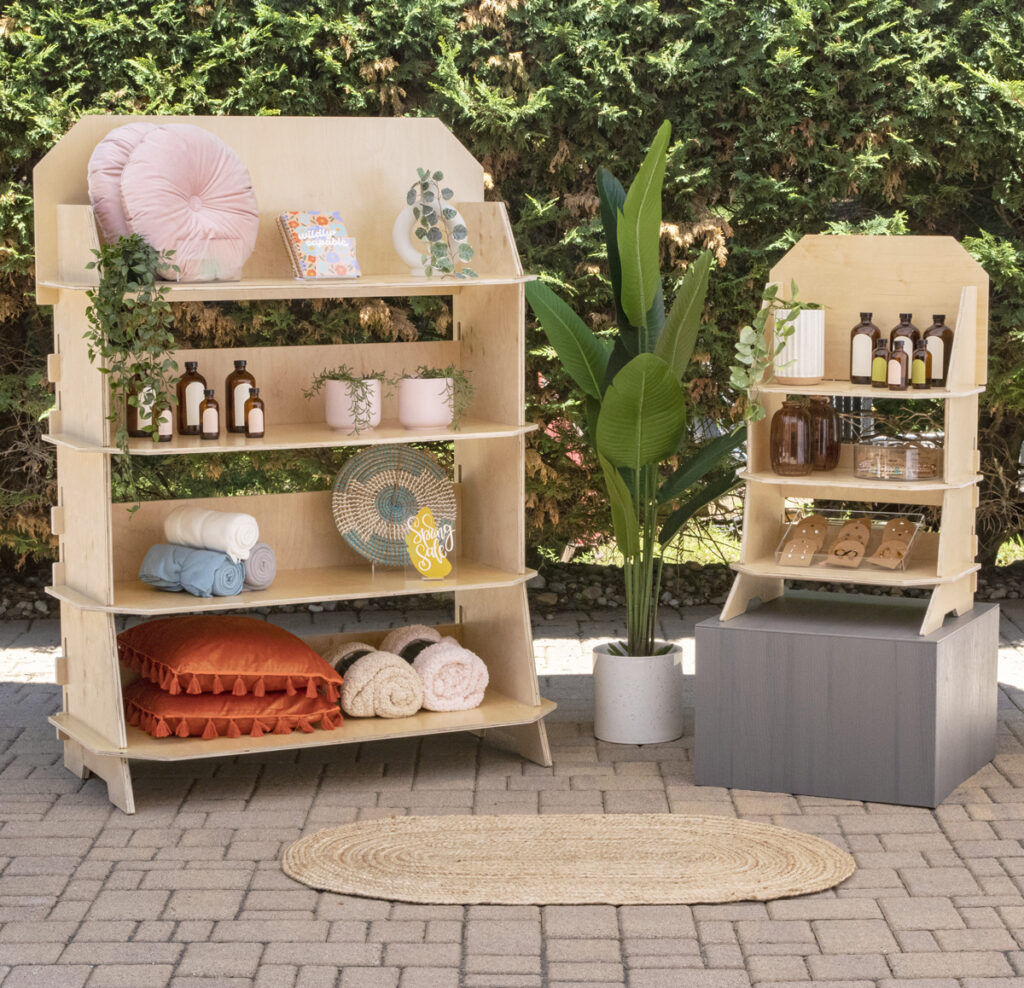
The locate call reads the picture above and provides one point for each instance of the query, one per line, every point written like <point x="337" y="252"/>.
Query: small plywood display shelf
<point x="102" y="543"/>
<point x="886" y="275"/>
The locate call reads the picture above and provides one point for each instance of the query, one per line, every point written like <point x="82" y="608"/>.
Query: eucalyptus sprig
<point x="459" y="390"/>
<point x="357" y="387"/>
<point x="755" y="355"/>
<point x="439" y="227"/>
<point x="131" y="331"/>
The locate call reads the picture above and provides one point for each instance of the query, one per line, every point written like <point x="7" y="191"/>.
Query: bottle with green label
<point x="921" y="366"/>
<point x="879" y="363"/>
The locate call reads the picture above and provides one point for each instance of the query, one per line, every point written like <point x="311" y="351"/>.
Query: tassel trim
<point x="194" y="683"/>
<point x="228" y="727"/>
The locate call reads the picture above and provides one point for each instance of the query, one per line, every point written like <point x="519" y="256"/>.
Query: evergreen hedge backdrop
<point x="788" y="118"/>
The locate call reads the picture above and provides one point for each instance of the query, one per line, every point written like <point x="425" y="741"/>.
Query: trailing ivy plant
<point x="755" y="354"/>
<point x="439" y="227"/>
<point x="357" y="387"/>
<point x="130" y="331"/>
<point x="459" y="389"/>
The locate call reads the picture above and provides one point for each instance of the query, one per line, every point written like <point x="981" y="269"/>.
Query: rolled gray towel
<point x="260" y="567"/>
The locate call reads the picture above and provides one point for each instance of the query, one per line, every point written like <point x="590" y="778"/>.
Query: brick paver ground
<point x="188" y="892"/>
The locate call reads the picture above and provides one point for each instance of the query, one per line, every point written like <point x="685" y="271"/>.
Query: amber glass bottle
<point x="138" y="418"/>
<point x="907" y="330"/>
<point x="191" y="386"/>
<point x="921" y="366"/>
<point x="790" y="441"/>
<point x="864" y="338"/>
<point x="879" y="363"/>
<point x="897" y="370"/>
<point x="236" y="394"/>
<point x="254" y="415"/>
<point x="165" y="425"/>
<point x="824" y="433"/>
<point x="209" y="416"/>
<point x="939" y="338"/>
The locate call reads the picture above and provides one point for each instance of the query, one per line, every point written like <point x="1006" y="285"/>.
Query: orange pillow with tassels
<point x="225" y="653"/>
<point x="207" y="716"/>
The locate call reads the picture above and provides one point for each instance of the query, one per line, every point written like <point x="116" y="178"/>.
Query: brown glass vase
<point x="824" y="434"/>
<point x="791" y="440"/>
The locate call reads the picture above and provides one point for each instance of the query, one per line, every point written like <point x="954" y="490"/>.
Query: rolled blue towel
<point x="201" y="572"/>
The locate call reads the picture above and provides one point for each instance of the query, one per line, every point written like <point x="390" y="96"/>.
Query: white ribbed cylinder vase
<point x="801" y="357"/>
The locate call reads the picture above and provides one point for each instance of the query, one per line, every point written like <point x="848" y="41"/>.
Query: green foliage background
<point x="788" y="118"/>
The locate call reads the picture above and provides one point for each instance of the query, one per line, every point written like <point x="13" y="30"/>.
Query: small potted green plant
<point x="434" y="397"/>
<point x="130" y="334"/>
<point x="352" y="400"/>
<point x="443" y="245"/>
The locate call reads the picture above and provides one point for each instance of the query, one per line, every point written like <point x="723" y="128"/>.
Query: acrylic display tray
<point x="891" y="459"/>
<point x="835" y="520"/>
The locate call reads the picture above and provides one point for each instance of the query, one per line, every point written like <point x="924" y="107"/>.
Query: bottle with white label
<point x="939" y="338"/>
<point x="898" y="368"/>
<point x="236" y="388"/>
<point x="191" y="388"/>
<point x="863" y="340"/>
<point x="254" y="415"/>
<point x="209" y="416"/>
<point x="165" y="425"/>
<point x="905" y="330"/>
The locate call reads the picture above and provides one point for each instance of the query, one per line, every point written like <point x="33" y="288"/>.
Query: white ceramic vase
<point x="638" y="699"/>
<point x="425" y="402"/>
<point x="801" y="357"/>
<point x="339" y="405"/>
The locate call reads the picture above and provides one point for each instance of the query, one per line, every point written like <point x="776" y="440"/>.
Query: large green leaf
<point x="612" y="195"/>
<point x="624" y="521"/>
<point x="688" y="473"/>
<point x="709" y="492"/>
<point x="643" y="414"/>
<point x="675" y="345"/>
<point x="583" y="355"/>
<point x="639" y="232"/>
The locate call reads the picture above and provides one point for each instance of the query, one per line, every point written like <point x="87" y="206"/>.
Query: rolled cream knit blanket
<point x="454" y="678"/>
<point x="342" y="654"/>
<point x="409" y="641"/>
<point x="381" y="684"/>
<point x="231" y="532"/>
<point x="260" y="567"/>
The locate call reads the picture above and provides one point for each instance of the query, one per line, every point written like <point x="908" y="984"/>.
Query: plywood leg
<point x="957" y="597"/>
<point x="746" y="588"/>
<point x="528" y="740"/>
<point x="115" y="773"/>
<point x="74" y="759"/>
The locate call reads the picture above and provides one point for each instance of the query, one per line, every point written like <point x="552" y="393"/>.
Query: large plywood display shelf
<point x="373" y="163"/>
<point x="886" y="275"/>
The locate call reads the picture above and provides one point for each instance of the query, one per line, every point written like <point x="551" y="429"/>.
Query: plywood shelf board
<point x="844" y="389"/>
<point x="495" y="711"/>
<point x="301" y="435"/>
<point x="916" y="575"/>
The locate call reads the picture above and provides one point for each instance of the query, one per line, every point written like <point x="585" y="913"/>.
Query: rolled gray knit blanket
<point x="260" y="567"/>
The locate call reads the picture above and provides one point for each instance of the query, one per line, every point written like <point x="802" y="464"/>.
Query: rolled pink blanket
<point x="454" y="678"/>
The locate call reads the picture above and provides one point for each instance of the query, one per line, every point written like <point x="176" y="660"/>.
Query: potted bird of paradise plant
<point x="635" y="408"/>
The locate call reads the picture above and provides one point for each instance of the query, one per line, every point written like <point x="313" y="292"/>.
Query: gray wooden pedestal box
<point x="824" y="694"/>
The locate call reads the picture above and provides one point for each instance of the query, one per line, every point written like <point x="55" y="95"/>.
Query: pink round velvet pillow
<point x="105" y="167"/>
<point x="184" y="189"/>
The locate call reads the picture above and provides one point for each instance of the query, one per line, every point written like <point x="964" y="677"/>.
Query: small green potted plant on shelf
<point x="442" y="239"/>
<point x="434" y="397"/>
<point x="635" y="411"/>
<point x="131" y="334"/>
<point x="352" y="400"/>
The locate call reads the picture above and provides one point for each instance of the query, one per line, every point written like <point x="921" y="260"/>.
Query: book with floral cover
<point x="318" y="245"/>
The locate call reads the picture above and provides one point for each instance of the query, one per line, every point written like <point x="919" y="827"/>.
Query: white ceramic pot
<point x="801" y="358"/>
<point x="410" y="249"/>
<point x="425" y="402"/>
<point x="339" y="407"/>
<point x="638" y="699"/>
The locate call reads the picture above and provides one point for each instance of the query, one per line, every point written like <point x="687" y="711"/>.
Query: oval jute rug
<point x="618" y="859"/>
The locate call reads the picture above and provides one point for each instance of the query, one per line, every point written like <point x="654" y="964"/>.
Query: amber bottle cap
<point x="866" y="316"/>
<point x="905" y="316"/>
<point x="239" y="365"/>
<point x="191" y="365"/>
<point x="253" y="392"/>
<point x="208" y="392"/>
<point x="938" y="318"/>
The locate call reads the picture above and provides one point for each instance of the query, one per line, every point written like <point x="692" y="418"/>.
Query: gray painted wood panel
<point x="837" y="695"/>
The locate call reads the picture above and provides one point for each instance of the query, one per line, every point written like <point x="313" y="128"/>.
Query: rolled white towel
<point x="381" y="684"/>
<point x="454" y="678"/>
<point x="231" y="532"/>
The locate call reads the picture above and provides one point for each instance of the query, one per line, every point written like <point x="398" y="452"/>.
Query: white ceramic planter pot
<point x="410" y="249"/>
<point x="638" y="699"/>
<point x="425" y="403"/>
<point x="801" y="358"/>
<point x="339" y="406"/>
